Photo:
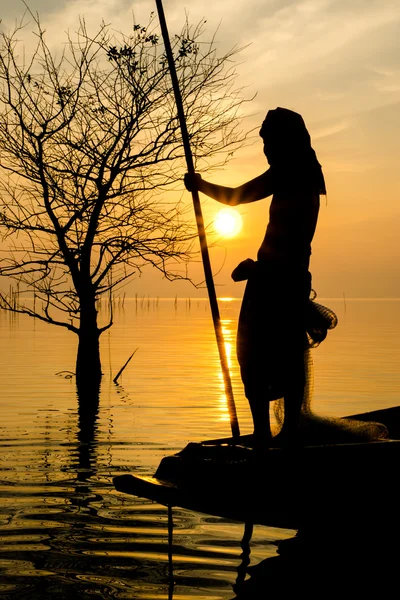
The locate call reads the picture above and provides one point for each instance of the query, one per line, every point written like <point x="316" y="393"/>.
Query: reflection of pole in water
<point x="245" y="556"/>
<point x="170" y="565"/>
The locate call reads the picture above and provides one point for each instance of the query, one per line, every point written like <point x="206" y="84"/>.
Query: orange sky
<point x="337" y="63"/>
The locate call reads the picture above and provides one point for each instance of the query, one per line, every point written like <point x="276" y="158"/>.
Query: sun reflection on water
<point x="228" y="334"/>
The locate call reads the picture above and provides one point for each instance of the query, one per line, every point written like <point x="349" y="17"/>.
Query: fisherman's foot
<point x="287" y="439"/>
<point x="261" y="442"/>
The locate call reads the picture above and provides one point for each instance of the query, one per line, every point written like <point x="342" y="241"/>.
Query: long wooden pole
<point x="200" y="227"/>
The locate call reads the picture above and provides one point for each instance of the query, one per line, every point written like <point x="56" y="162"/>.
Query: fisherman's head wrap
<point x="288" y="150"/>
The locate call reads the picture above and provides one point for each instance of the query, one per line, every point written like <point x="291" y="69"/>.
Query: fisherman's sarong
<point x="272" y="331"/>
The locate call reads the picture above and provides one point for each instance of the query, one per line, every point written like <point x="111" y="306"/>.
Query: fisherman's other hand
<point x="192" y="181"/>
<point x="243" y="270"/>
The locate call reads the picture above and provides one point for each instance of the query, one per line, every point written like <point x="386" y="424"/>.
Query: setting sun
<point x="228" y="222"/>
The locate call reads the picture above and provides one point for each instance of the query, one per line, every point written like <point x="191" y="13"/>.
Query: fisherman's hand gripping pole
<point x="200" y="227"/>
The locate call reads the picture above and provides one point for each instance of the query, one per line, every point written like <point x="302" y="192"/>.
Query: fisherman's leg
<point x="292" y="406"/>
<point x="261" y="420"/>
<point x="254" y="389"/>
<point x="293" y="400"/>
<point x="295" y="362"/>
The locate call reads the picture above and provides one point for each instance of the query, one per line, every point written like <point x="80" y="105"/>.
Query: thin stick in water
<point x="125" y="365"/>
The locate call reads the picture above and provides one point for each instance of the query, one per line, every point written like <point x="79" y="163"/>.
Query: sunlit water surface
<point x="64" y="531"/>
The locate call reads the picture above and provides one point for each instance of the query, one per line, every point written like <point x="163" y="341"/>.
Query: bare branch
<point x="91" y="156"/>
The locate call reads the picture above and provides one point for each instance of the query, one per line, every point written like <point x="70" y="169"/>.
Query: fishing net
<point x="317" y="429"/>
<point x="280" y="323"/>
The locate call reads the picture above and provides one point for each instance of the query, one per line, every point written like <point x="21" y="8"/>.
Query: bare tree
<point x="89" y="147"/>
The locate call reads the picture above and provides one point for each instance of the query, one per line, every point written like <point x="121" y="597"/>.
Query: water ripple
<point x="64" y="530"/>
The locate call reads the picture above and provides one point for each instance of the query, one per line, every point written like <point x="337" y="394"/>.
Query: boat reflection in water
<point x="341" y="498"/>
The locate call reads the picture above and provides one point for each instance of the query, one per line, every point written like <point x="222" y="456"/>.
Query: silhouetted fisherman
<point x="272" y="336"/>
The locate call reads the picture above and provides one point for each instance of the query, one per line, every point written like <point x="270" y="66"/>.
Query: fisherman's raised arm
<point x="255" y="189"/>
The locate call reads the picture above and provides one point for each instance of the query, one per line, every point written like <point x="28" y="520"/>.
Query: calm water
<point x="64" y="531"/>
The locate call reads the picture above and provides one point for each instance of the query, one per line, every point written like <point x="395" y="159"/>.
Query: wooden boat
<point x="282" y="487"/>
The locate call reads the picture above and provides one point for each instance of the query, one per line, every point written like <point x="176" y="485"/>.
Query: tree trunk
<point x="88" y="365"/>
